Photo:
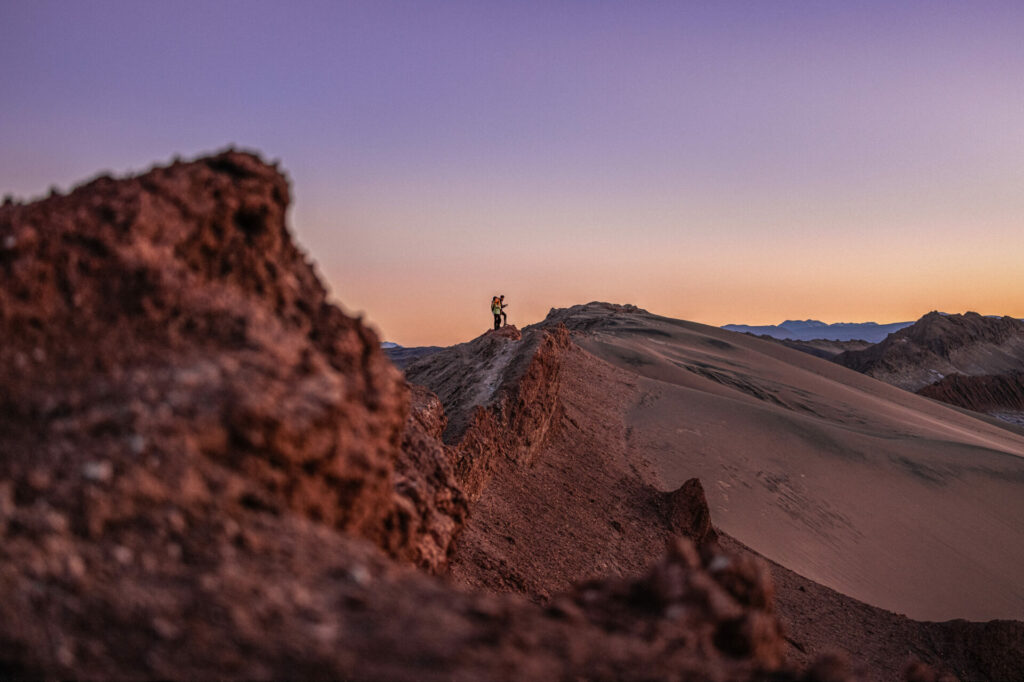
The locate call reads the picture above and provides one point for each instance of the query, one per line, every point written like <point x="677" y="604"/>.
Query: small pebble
<point x="166" y="628"/>
<point x="177" y="522"/>
<point x="123" y="555"/>
<point x="65" y="656"/>
<point x="76" y="567"/>
<point x="301" y="596"/>
<point x="39" y="479"/>
<point x="325" y="632"/>
<point x="100" y="472"/>
<point x="137" y="444"/>
<point x="57" y="522"/>
<point x="359" y="574"/>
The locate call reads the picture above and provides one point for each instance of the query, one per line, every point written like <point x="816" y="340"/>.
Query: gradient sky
<point x="720" y="162"/>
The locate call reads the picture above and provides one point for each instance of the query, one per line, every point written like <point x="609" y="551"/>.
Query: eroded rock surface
<point x="163" y="335"/>
<point x="986" y="393"/>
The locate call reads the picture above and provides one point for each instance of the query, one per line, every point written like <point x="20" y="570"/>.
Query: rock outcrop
<point x="985" y="393"/>
<point x="164" y="334"/>
<point x="688" y="513"/>
<point x="469" y="376"/>
<point x="939" y="345"/>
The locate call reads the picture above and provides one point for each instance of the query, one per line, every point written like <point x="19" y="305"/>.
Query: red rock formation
<point x="980" y="393"/>
<point x="430" y="506"/>
<point x="164" y="333"/>
<point x="688" y="513"/>
<point x="171" y="313"/>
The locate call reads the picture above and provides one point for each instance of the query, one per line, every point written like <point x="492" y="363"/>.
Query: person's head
<point x="501" y="298"/>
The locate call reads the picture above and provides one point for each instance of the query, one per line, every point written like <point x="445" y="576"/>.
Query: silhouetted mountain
<point x="810" y="330"/>
<point x="821" y="348"/>
<point x="402" y="356"/>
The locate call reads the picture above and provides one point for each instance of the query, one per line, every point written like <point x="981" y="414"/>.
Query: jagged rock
<point x="433" y="506"/>
<point x="509" y="331"/>
<point x="688" y="512"/>
<point x="981" y="393"/>
<point x="172" y="366"/>
<point x="168" y="322"/>
<point x="468" y="375"/>
<point x="498" y="392"/>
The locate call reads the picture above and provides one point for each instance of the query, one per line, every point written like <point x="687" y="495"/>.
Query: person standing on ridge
<point x="496" y="310"/>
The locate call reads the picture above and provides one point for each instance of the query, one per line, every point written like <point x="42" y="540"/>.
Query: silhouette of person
<point x="497" y="309"/>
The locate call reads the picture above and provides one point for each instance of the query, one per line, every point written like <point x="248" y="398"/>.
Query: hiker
<point x="497" y="306"/>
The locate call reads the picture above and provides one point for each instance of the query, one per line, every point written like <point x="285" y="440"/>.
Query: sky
<point x="721" y="162"/>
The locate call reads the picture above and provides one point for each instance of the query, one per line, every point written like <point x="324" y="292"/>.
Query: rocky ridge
<point x="939" y="345"/>
<point x="1001" y="393"/>
<point x="518" y="540"/>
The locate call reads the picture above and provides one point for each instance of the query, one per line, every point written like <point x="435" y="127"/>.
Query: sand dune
<point x="880" y="494"/>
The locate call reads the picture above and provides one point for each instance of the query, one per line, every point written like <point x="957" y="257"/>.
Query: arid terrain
<point x="967" y="360"/>
<point x="208" y="470"/>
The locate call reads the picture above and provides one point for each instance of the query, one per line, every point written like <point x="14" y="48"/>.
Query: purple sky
<point x="721" y="162"/>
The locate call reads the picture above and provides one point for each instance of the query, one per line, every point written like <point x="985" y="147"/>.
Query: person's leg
<point x="504" y="318"/>
<point x="497" y="320"/>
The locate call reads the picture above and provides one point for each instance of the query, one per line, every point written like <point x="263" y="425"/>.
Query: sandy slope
<point x="877" y="493"/>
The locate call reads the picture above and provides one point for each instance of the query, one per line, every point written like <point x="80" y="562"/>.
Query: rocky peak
<point x="940" y="344"/>
<point x="166" y="328"/>
<point x="943" y="333"/>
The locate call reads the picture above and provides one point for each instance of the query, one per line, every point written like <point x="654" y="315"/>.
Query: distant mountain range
<point x="402" y="356"/>
<point x="810" y="330"/>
